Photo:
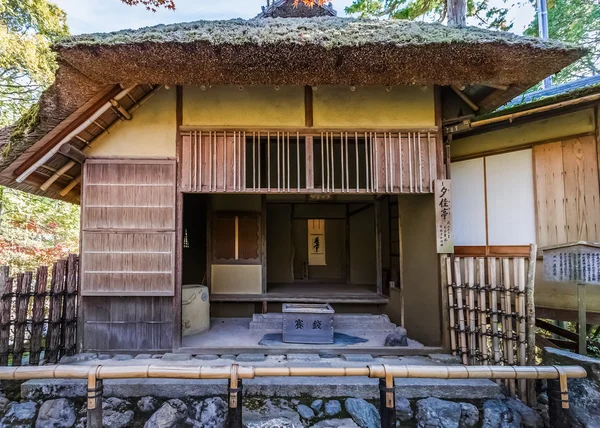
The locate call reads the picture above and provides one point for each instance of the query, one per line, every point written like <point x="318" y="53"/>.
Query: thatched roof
<point x="314" y="51"/>
<point x="290" y="51"/>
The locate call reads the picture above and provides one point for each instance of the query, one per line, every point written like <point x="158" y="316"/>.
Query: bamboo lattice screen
<point x="316" y="162"/>
<point x="491" y="311"/>
<point x="36" y="318"/>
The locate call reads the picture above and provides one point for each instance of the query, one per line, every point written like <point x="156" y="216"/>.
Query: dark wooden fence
<point x="37" y="316"/>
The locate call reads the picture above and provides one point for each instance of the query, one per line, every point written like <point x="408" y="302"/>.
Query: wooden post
<point x="530" y="308"/>
<point x="558" y="415"/>
<point x="37" y="324"/>
<point x="309" y="159"/>
<point x="378" y="246"/>
<point x="57" y="287"/>
<point x="69" y="319"/>
<point x="581" y="319"/>
<point x="387" y="403"/>
<point x="22" y="304"/>
<point x="95" y="389"/>
<point x="6" y="284"/>
<point x="235" y="399"/>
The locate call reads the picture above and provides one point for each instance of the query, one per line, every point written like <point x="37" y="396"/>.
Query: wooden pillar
<point x="309" y="162"/>
<point x="263" y="247"/>
<point x="378" y="246"/>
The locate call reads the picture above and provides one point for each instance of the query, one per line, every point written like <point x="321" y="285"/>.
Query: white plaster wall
<point x="150" y="133"/>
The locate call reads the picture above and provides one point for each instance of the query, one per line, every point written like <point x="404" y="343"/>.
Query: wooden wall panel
<point x="128" y="263"/>
<point x="581" y="189"/>
<point x="131" y="195"/>
<point x="549" y="188"/>
<point x="567" y="191"/>
<point x="128" y="227"/>
<point x="128" y="324"/>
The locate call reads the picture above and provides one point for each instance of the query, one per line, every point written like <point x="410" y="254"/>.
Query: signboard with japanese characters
<point x="577" y="262"/>
<point x="316" y="242"/>
<point x="443" y="216"/>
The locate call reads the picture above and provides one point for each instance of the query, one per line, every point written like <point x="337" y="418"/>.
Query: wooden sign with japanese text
<point x="443" y="216"/>
<point x="573" y="263"/>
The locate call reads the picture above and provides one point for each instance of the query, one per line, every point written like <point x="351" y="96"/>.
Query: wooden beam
<point x="72" y="153"/>
<point x="554" y="329"/>
<point x="67" y="130"/>
<point x="465" y="98"/>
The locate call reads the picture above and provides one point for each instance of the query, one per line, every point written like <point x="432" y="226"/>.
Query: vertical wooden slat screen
<point x="128" y="248"/>
<point x="567" y="191"/>
<point x="128" y="252"/>
<point x="333" y="161"/>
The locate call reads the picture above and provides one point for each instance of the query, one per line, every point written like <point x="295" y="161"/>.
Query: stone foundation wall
<point x="211" y="412"/>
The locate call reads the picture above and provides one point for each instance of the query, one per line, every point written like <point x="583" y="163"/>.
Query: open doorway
<point x="321" y="248"/>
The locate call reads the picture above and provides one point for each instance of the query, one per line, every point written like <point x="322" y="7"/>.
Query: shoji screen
<point x="510" y="199"/>
<point x="468" y="194"/>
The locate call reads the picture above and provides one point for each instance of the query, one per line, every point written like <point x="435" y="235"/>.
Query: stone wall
<point x="211" y="412"/>
<point x="584" y="394"/>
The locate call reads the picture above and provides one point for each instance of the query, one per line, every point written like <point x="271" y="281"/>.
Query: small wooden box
<point x="307" y="323"/>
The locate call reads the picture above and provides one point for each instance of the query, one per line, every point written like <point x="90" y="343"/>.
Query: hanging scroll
<point x="316" y="242"/>
<point x="443" y="216"/>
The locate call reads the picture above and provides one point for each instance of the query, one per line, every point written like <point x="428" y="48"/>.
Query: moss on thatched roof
<point x="315" y="51"/>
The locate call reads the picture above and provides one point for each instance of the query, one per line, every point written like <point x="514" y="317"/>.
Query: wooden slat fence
<point x="491" y="311"/>
<point x="38" y="318"/>
<point x="308" y="162"/>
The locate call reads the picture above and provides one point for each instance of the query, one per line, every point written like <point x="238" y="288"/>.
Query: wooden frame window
<point x="236" y="238"/>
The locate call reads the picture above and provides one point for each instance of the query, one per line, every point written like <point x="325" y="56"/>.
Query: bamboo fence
<point x="37" y="318"/>
<point x="492" y="312"/>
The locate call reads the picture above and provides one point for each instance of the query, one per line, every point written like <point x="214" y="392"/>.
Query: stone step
<point x="356" y="322"/>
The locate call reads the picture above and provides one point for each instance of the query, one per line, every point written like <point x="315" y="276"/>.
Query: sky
<point x="93" y="16"/>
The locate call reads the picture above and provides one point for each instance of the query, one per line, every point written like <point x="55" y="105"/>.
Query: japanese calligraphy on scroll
<point x="316" y="242"/>
<point x="443" y="216"/>
<point x="578" y="262"/>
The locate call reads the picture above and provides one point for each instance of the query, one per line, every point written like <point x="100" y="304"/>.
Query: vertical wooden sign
<point x="443" y="216"/>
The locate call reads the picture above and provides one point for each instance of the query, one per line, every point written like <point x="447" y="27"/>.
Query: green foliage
<point x="35" y="230"/>
<point x="27" y="65"/>
<point x="434" y="10"/>
<point x="576" y="21"/>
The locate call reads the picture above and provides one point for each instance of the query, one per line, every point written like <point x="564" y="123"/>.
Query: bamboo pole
<point x="268" y="161"/>
<point x="522" y="325"/>
<point x="494" y="310"/>
<point x="342" y="160"/>
<point x="483" y="347"/>
<point x="278" y="165"/>
<point x="400" y="166"/>
<point x="357" y="164"/>
<point x="298" y="160"/>
<point x="322" y="166"/>
<point x="367" y="162"/>
<point x="452" y="305"/>
<point x="530" y="307"/>
<point x="461" y="314"/>
<point x="347" y="173"/>
<point x="410" y="173"/>
<point x="151" y="371"/>
<point x="470" y="266"/>
<point x="332" y="162"/>
<point x="259" y="162"/>
<point x="327" y="156"/>
<point x="385" y="160"/>
<point x="507" y="326"/>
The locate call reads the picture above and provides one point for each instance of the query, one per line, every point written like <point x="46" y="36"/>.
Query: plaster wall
<point x="374" y="106"/>
<point x="420" y="266"/>
<point x="150" y="133"/>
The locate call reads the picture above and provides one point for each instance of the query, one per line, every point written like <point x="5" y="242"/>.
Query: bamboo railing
<point x="236" y="374"/>
<point x="37" y="317"/>
<point x="492" y="311"/>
